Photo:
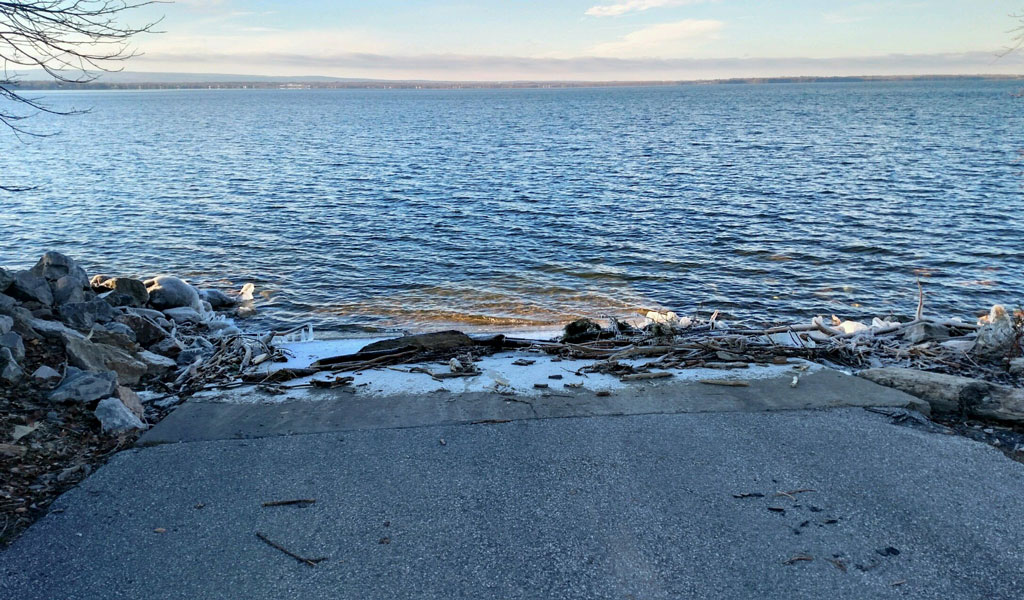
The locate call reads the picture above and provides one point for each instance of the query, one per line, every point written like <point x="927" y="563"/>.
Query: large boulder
<point x="115" y="417"/>
<point x="29" y="287"/>
<point x="51" y="330"/>
<point x="442" y="340"/>
<point x="170" y="292"/>
<point x="13" y="342"/>
<point x="100" y="357"/>
<point x="146" y="331"/>
<point x="10" y="370"/>
<point x="124" y="291"/>
<point x="83" y="315"/>
<point x="85" y="386"/>
<point x="6" y="279"/>
<point x="54" y="265"/>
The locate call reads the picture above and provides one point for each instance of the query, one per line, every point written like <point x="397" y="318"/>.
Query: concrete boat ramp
<point x="490" y="487"/>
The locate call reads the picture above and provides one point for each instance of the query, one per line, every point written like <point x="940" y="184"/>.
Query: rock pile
<point x="115" y="334"/>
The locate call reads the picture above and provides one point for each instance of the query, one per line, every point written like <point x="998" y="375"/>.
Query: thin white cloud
<point x="627" y="6"/>
<point x="664" y="39"/>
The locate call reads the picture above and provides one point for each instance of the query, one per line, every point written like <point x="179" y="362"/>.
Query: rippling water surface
<point x="522" y="208"/>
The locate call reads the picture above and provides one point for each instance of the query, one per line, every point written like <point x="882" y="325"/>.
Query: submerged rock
<point x="170" y="292"/>
<point x="217" y="299"/>
<point x="85" y="386"/>
<point x="115" y="417"/>
<point x="442" y="340"/>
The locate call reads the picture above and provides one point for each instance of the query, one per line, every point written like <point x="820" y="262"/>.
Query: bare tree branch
<point x="71" y="40"/>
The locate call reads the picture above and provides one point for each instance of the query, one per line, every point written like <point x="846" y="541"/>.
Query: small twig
<point x="798" y="558"/>
<point x="289" y="502"/>
<point x="312" y="562"/>
<point x="792" y="495"/>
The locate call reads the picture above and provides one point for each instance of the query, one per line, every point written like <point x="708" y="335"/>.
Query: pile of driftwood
<point x="988" y="349"/>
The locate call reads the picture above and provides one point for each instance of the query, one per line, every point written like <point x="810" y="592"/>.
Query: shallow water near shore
<point x="363" y="210"/>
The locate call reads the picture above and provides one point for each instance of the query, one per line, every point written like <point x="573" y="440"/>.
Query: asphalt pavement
<point x="832" y="503"/>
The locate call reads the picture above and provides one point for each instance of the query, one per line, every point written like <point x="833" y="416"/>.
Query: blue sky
<point x="579" y="39"/>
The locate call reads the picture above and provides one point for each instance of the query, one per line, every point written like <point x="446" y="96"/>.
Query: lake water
<point x="495" y="209"/>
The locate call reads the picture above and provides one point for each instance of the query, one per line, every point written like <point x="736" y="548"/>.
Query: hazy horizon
<point x="579" y="40"/>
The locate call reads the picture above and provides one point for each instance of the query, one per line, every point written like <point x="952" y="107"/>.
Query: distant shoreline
<point x="302" y="83"/>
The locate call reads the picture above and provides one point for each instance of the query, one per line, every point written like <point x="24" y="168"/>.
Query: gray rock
<point x="146" y="331"/>
<point x="83" y="315"/>
<point x="85" y="386"/>
<point x="115" y="417"/>
<point x="167" y="347"/>
<point x="156" y="365"/>
<point x="6" y="279"/>
<point x="183" y="315"/>
<point x="130" y="400"/>
<point x="442" y="340"/>
<point x="170" y="292"/>
<point x="13" y="342"/>
<point x="7" y="304"/>
<point x="100" y="357"/>
<point x="54" y="265"/>
<point x="135" y="290"/>
<point x="6" y="323"/>
<point x="996" y="339"/>
<point x="67" y="289"/>
<point x="28" y="286"/>
<point x="953" y="394"/>
<point x="217" y="299"/>
<point x="46" y="375"/>
<point x="114" y="334"/>
<point x="51" y="330"/>
<point x="10" y="370"/>
<point x="926" y="332"/>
